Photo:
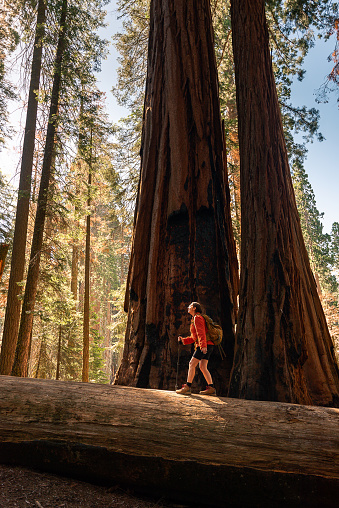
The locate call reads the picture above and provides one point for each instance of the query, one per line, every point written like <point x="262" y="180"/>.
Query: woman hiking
<point x="202" y="353"/>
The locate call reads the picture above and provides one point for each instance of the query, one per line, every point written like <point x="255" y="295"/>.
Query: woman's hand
<point x="179" y="339"/>
<point x="204" y="350"/>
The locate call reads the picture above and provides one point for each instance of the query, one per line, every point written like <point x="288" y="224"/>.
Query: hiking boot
<point x="209" y="391"/>
<point x="185" y="390"/>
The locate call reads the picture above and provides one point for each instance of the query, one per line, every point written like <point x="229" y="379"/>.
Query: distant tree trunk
<point x="3" y="253"/>
<point x="85" y="354"/>
<point x="283" y="348"/>
<point x="183" y="246"/>
<point x="26" y="323"/>
<point x="57" y="375"/>
<point x="12" y="317"/>
<point x="74" y="272"/>
<point x="122" y="264"/>
<point x="39" y="359"/>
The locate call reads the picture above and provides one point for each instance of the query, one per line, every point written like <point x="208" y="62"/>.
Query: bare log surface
<point x="158" y="441"/>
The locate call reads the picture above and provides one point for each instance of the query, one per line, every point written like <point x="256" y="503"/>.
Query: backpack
<point x="214" y="331"/>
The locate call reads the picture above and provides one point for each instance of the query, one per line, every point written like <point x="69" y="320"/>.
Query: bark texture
<point x="183" y="245"/>
<point x="26" y="323"/>
<point x="3" y="253"/>
<point x="284" y="351"/>
<point x="199" y="449"/>
<point x="12" y="316"/>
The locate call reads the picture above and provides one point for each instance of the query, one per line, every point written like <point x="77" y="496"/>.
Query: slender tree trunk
<point x="85" y="354"/>
<point x="3" y="253"/>
<point x="42" y="344"/>
<point x="74" y="273"/>
<point x="38" y="364"/>
<point x="122" y="265"/>
<point x="57" y="375"/>
<point x="283" y="348"/>
<point x="12" y="317"/>
<point x="183" y="246"/>
<point x="26" y="323"/>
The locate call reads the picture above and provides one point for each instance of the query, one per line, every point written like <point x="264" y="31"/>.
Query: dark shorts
<point x="198" y="354"/>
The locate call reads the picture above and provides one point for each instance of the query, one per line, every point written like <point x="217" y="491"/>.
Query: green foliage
<point x="318" y="244"/>
<point x="96" y="363"/>
<point x="84" y="138"/>
<point x="118" y="327"/>
<point x="9" y="39"/>
<point x="334" y="249"/>
<point x="132" y="45"/>
<point x="54" y="310"/>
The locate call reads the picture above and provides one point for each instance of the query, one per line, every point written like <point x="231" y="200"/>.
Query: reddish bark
<point x="183" y="245"/>
<point x="283" y="348"/>
<point x="85" y="353"/>
<point x="74" y="272"/>
<point x="12" y="317"/>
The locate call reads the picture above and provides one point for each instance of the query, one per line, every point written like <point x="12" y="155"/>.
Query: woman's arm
<point x="186" y="340"/>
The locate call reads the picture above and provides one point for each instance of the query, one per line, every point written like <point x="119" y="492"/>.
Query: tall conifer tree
<point x="283" y="348"/>
<point x="183" y="246"/>
<point x="12" y="317"/>
<point x="26" y="323"/>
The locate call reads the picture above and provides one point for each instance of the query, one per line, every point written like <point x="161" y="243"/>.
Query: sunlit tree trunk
<point x="26" y="323"/>
<point x="12" y="317"/>
<point x="74" y="272"/>
<point x="283" y="348"/>
<point x="183" y="246"/>
<point x="85" y="353"/>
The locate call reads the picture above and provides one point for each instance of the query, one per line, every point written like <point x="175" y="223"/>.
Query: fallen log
<point x="198" y="449"/>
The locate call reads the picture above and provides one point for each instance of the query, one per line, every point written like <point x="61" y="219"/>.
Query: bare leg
<point x="205" y="371"/>
<point x="191" y="369"/>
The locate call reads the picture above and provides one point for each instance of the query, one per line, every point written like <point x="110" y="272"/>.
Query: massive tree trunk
<point x="202" y="450"/>
<point x="183" y="246"/>
<point x="283" y="348"/>
<point x="26" y="323"/>
<point x="3" y="253"/>
<point x="12" y="317"/>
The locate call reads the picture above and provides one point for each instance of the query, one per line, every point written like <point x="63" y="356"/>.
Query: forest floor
<point x="24" y="488"/>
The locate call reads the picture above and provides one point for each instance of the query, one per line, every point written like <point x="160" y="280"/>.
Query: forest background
<point x="108" y="196"/>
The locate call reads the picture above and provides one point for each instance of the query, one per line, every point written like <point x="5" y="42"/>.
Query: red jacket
<point x="198" y="330"/>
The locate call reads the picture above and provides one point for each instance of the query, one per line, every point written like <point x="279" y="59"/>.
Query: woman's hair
<point x="197" y="307"/>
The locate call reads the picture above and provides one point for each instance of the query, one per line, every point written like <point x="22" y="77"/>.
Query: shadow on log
<point x="199" y="450"/>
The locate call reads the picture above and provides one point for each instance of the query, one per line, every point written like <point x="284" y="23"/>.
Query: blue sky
<point x="322" y="160"/>
<point x="322" y="164"/>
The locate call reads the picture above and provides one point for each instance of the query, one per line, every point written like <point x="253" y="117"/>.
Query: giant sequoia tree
<point x="183" y="247"/>
<point x="283" y="349"/>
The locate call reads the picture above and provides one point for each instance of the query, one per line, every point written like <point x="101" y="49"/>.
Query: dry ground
<point x="24" y="488"/>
